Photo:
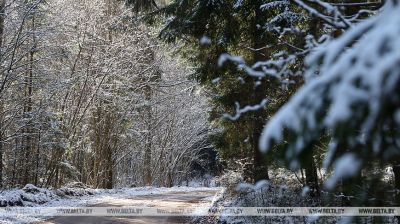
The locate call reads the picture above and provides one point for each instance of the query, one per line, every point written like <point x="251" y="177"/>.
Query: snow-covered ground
<point x="284" y="190"/>
<point x="31" y="196"/>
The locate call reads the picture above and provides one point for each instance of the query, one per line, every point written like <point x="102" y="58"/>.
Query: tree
<point x="351" y="94"/>
<point x="213" y="28"/>
<point x="77" y="81"/>
<point x="2" y="12"/>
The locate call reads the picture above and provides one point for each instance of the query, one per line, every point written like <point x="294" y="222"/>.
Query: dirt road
<point x="163" y="200"/>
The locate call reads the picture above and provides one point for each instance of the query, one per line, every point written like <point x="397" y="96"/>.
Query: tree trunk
<point x="396" y="173"/>
<point x="312" y="176"/>
<point x="28" y="130"/>
<point x="14" y="163"/>
<point x="1" y="155"/>
<point x="2" y="5"/>
<point x="260" y="171"/>
<point x="148" y="145"/>
<point x="109" y="172"/>
<point x="37" y="160"/>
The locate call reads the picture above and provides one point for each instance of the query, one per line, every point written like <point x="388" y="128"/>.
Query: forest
<point x="211" y="103"/>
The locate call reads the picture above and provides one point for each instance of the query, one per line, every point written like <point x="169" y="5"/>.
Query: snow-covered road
<point x="160" y="198"/>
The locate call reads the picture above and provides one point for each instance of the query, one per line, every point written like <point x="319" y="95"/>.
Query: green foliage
<point x="211" y="28"/>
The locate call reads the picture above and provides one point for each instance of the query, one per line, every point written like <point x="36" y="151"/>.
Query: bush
<point x="230" y="180"/>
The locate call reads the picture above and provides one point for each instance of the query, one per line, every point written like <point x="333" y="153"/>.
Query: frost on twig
<point x="240" y="111"/>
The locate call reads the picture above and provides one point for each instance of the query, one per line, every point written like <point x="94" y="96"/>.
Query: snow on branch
<point x="357" y="83"/>
<point x="276" y="67"/>
<point x="333" y="16"/>
<point x="240" y="111"/>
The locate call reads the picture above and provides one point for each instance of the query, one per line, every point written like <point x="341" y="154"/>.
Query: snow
<point x="261" y="184"/>
<point x="274" y="4"/>
<point x="305" y="191"/>
<point x="277" y="67"/>
<point x="203" y="181"/>
<point x="285" y="189"/>
<point x="347" y="165"/>
<point x="240" y="111"/>
<point x="241" y="65"/>
<point x="205" y="40"/>
<point x="356" y="72"/>
<point x="216" y="81"/>
<point x="334" y="17"/>
<point x="397" y="116"/>
<point x="238" y="4"/>
<point x="225" y="57"/>
<point x="32" y="196"/>
<point x="263" y="194"/>
<point x="246" y="187"/>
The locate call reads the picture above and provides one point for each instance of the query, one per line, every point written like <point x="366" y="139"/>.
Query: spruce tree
<point x="214" y="28"/>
